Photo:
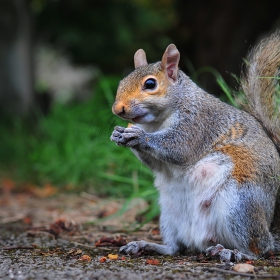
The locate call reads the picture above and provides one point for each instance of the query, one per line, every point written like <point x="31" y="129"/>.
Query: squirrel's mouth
<point x="138" y="118"/>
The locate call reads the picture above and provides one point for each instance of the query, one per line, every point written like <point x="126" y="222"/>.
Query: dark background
<point x="61" y="61"/>
<point x="106" y="34"/>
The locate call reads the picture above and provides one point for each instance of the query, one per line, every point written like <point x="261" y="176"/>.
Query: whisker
<point x="107" y="126"/>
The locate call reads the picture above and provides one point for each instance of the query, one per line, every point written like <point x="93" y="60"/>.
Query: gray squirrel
<point x="217" y="168"/>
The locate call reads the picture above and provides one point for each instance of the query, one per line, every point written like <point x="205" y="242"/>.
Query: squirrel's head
<point x="142" y="95"/>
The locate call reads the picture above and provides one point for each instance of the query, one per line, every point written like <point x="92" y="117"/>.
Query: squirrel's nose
<point x="118" y="108"/>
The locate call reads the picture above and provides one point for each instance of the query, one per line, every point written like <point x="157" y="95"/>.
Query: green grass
<point x="229" y="93"/>
<point x="71" y="146"/>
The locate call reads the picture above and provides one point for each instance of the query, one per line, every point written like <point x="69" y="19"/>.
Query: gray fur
<point x="215" y="167"/>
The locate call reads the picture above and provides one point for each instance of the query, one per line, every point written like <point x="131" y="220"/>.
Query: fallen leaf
<point x="269" y="255"/>
<point x="57" y="227"/>
<point x="123" y="258"/>
<point x="103" y="259"/>
<point x="46" y="191"/>
<point x="108" y="211"/>
<point x="74" y="252"/>
<point x="85" y="258"/>
<point x="105" y="241"/>
<point x="8" y="185"/>
<point x="243" y="268"/>
<point x="52" y="252"/>
<point x="61" y="224"/>
<point x="27" y="220"/>
<point x="152" y="262"/>
<point x="154" y="234"/>
<point x="113" y="257"/>
<point x="155" y="231"/>
<point x="200" y="258"/>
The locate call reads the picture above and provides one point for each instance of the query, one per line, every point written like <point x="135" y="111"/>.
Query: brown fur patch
<point x="244" y="161"/>
<point x="237" y="131"/>
<point x="253" y="246"/>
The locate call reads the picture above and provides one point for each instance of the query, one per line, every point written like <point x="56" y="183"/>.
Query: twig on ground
<point x="19" y="247"/>
<point x="198" y="264"/>
<point x="37" y="232"/>
<point x="81" y="244"/>
<point x="12" y="219"/>
<point x="89" y="196"/>
<point x="89" y="246"/>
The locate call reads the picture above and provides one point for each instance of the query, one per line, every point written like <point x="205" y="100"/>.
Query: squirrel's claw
<point x="132" y="248"/>
<point x="119" y="129"/>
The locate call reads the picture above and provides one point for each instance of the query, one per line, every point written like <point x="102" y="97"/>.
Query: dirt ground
<point x="78" y="237"/>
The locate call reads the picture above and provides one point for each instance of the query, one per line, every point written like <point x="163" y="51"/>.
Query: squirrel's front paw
<point x="132" y="248"/>
<point x="128" y="137"/>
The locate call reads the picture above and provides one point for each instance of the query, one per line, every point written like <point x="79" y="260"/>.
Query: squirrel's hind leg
<point x="247" y="229"/>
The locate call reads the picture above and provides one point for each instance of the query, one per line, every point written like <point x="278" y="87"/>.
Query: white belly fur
<point x="194" y="202"/>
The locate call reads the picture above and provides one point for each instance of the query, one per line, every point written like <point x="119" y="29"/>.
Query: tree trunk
<point x="16" y="71"/>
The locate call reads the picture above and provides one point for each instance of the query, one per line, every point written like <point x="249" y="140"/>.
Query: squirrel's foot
<point x="132" y="248"/>
<point x="227" y="255"/>
<point x="128" y="137"/>
<point x="135" y="247"/>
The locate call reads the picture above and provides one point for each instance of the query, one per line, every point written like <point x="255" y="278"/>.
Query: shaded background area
<point x="61" y="61"/>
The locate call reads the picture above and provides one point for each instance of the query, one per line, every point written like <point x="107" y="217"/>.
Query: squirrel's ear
<point x="170" y="61"/>
<point x="140" y="59"/>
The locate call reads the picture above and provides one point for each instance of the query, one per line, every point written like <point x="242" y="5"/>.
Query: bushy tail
<point x="260" y="83"/>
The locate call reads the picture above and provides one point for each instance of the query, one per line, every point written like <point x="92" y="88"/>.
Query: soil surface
<point x="78" y="237"/>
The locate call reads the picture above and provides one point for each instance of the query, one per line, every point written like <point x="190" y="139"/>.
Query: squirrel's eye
<point x="150" y="84"/>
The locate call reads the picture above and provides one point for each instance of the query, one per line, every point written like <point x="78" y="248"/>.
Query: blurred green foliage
<point x="71" y="146"/>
